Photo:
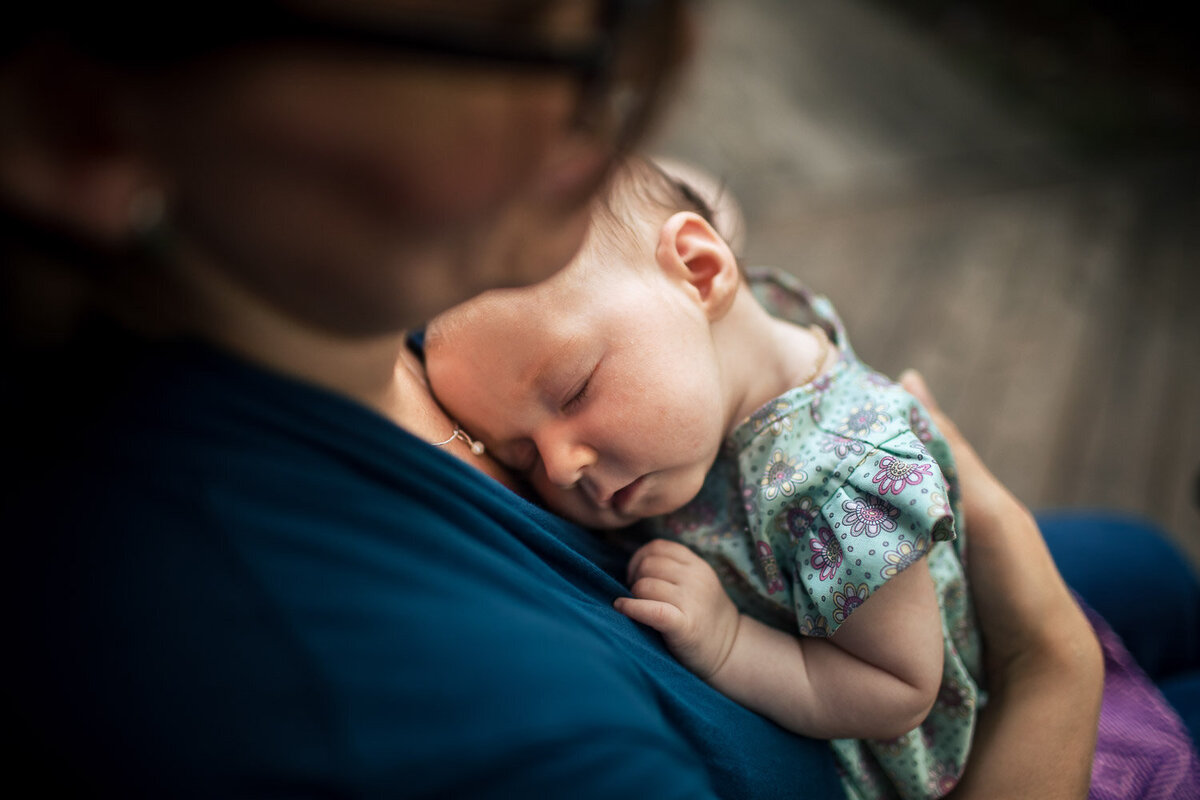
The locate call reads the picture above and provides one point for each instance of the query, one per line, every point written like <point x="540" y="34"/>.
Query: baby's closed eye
<point x="577" y="396"/>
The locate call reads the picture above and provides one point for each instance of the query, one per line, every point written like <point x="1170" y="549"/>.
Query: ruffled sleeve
<point x="833" y="515"/>
<point x="885" y="516"/>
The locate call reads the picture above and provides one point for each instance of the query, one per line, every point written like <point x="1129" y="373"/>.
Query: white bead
<point x="477" y="448"/>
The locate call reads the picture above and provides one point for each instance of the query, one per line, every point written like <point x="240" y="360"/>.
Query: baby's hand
<point x="679" y="595"/>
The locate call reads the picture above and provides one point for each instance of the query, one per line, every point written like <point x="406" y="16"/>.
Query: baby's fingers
<point x="658" y="550"/>
<point x="657" y="589"/>
<point x="661" y="616"/>
<point x="667" y="569"/>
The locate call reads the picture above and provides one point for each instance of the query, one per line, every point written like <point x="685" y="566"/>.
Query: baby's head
<point x="603" y="383"/>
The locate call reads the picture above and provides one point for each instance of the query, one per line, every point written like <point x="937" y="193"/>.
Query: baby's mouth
<point x="597" y="496"/>
<point x="622" y="498"/>
<point x="606" y="500"/>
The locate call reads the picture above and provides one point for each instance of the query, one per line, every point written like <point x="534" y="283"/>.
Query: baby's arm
<point x="877" y="677"/>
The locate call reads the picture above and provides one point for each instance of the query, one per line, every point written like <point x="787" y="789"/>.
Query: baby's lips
<point x="623" y="496"/>
<point x="599" y="497"/>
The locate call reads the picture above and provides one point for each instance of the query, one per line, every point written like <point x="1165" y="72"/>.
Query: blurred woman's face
<point x="363" y="194"/>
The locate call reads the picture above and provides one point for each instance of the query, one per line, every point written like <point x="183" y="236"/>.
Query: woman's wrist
<point x="1037" y="735"/>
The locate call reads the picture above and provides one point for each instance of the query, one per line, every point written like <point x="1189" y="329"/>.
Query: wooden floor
<point x="1052" y="301"/>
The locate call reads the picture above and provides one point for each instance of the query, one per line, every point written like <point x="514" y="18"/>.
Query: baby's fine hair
<point x="641" y="196"/>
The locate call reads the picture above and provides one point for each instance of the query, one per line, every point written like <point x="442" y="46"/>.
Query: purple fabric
<point x="1143" y="751"/>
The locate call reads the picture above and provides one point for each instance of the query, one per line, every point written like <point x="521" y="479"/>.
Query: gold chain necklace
<point x="823" y="341"/>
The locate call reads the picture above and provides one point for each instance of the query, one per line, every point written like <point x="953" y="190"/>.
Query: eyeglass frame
<point x="594" y="63"/>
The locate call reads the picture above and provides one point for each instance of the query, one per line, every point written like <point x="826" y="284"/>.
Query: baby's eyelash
<point x="579" y="395"/>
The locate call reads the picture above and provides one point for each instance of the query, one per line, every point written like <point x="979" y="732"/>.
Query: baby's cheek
<point x="518" y="456"/>
<point x="674" y="491"/>
<point x="698" y="427"/>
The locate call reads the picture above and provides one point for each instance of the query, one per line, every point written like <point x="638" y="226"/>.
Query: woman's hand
<point x="679" y="595"/>
<point x="1037" y="735"/>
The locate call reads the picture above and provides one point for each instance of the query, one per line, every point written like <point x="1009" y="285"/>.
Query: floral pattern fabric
<point x="818" y="499"/>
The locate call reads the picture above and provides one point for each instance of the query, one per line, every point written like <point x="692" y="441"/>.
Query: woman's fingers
<point x="983" y="494"/>
<point x="915" y="384"/>
<point x="992" y="511"/>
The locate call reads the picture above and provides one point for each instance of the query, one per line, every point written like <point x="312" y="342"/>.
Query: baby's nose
<point x="565" y="462"/>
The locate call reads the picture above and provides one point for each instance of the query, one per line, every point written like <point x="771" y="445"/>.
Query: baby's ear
<point x="690" y="250"/>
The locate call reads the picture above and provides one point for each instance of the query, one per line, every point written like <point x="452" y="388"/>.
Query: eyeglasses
<point x="621" y="70"/>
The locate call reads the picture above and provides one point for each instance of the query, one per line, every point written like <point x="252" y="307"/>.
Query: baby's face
<point x="603" y="390"/>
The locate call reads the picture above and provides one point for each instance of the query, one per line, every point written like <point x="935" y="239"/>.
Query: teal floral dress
<point x="819" y="498"/>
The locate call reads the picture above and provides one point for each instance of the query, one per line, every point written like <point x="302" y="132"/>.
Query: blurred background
<point x="1004" y="195"/>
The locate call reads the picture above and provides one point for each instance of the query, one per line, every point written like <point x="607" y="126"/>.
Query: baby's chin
<point x="578" y="510"/>
<point x="575" y="506"/>
<point x="649" y="501"/>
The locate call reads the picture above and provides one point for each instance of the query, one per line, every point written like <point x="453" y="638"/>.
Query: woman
<point x="252" y="555"/>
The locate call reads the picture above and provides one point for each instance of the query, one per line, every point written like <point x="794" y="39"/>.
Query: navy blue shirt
<point x="230" y="583"/>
